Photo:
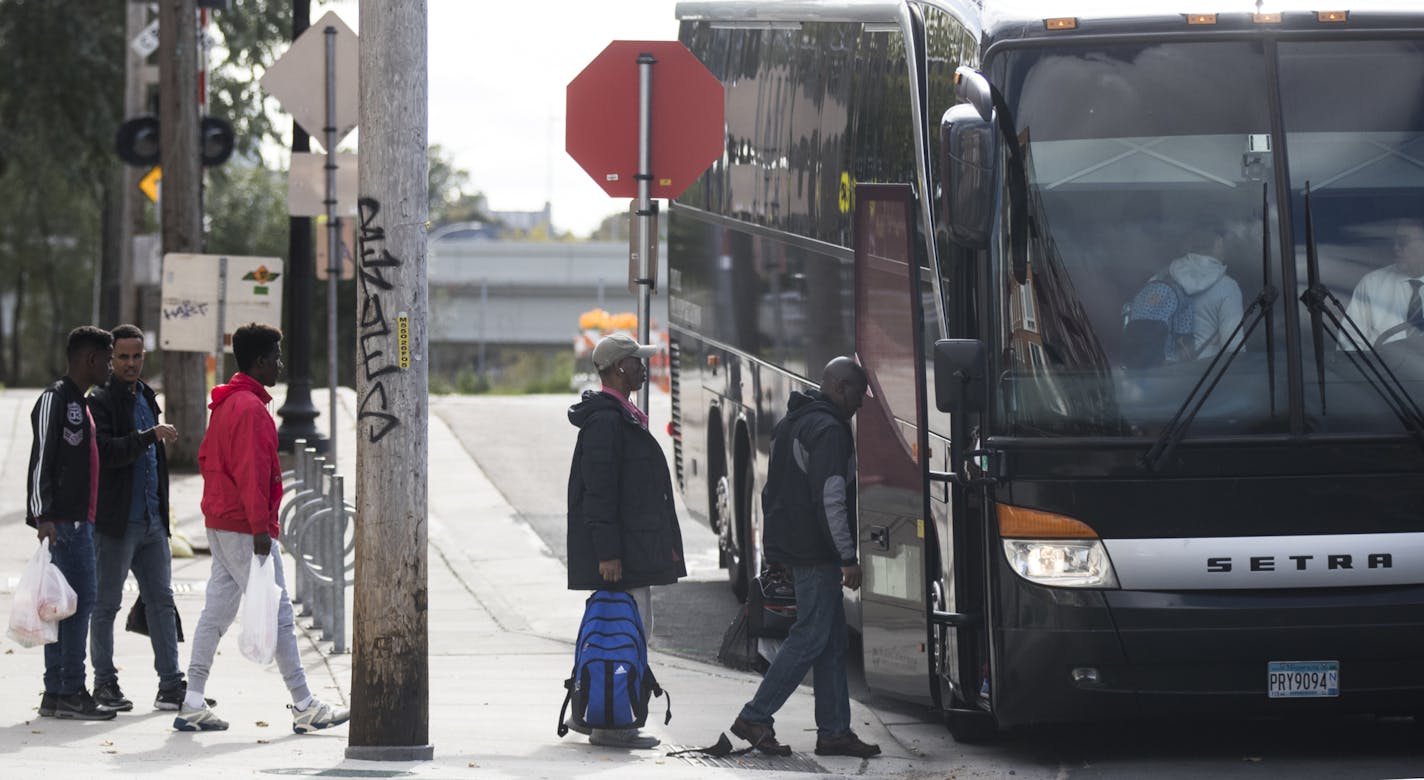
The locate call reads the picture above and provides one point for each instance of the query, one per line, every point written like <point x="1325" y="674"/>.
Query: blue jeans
<point x="73" y="552"/>
<point x="817" y="643"/>
<point x="144" y="550"/>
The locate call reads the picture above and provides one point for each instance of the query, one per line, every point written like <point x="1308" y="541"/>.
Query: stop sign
<point x="601" y="131"/>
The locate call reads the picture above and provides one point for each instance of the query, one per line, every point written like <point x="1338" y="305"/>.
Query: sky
<point x="498" y="73"/>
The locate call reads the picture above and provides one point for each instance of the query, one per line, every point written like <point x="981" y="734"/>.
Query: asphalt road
<point x="523" y="443"/>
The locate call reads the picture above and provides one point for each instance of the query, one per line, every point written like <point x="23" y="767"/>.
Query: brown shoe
<point x="762" y="737"/>
<point x="848" y="744"/>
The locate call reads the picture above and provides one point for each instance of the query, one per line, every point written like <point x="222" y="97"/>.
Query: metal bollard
<point x="290" y="476"/>
<point x="310" y="500"/>
<point x="336" y="563"/>
<point x="314" y="549"/>
<point x="300" y="483"/>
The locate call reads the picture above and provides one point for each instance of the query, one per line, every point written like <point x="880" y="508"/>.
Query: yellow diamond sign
<point x="150" y="183"/>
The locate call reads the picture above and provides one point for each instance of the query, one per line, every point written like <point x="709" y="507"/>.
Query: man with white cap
<point x="623" y="532"/>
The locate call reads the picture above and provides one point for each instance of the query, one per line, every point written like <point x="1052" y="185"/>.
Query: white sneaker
<point x="318" y="715"/>
<point x="199" y="720"/>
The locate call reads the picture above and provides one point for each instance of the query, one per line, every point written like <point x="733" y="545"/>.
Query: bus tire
<point x="971" y="726"/>
<point x="732" y="549"/>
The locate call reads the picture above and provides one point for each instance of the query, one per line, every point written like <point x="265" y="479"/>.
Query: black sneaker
<point x="172" y="698"/>
<point x="109" y="697"/>
<point x="81" y="706"/>
<point x="47" y="704"/>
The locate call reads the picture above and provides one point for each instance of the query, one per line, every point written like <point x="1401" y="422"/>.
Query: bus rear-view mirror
<point x="967" y="141"/>
<point x="959" y="375"/>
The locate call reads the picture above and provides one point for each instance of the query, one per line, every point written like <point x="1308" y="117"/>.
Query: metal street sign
<point x="297" y="79"/>
<point x="687" y="118"/>
<point x="146" y="42"/>
<point x="306" y="184"/>
<point x="347" y="245"/>
<point x="152" y="182"/>
<point x="206" y="297"/>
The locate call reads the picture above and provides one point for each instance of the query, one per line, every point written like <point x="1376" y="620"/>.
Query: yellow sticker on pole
<point x="403" y="338"/>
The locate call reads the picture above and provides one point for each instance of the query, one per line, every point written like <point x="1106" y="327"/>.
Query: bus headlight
<point x="1053" y="549"/>
<point x="1062" y="563"/>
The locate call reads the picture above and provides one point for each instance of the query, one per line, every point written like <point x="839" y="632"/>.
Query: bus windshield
<point x="1152" y="212"/>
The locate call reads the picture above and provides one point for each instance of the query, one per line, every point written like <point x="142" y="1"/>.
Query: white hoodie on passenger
<point x="1216" y="300"/>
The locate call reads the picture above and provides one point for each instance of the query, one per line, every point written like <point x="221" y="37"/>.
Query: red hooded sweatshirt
<point x="242" y="480"/>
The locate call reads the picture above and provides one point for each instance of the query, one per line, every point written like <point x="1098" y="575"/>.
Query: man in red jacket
<point x="242" y="486"/>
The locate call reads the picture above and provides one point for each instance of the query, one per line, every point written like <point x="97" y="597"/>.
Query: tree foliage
<point x="60" y="102"/>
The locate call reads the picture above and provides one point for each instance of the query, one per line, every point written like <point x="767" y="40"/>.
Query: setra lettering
<point x="1268" y="563"/>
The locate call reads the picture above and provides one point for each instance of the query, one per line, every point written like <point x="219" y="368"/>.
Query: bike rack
<point x="315" y="522"/>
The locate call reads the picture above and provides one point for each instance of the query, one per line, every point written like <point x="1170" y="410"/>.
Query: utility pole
<point x="298" y="413"/>
<point x="131" y="209"/>
<point x="184" y="384"/>
<point x="390" y="676"/>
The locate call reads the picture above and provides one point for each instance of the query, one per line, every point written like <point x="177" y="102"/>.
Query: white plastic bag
<point x="28" y="626"/>
<point x="258" y="639"/>
<point x="57" y="600"/>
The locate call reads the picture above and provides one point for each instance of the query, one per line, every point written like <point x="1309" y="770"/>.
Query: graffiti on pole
<point x="374" y="331"/>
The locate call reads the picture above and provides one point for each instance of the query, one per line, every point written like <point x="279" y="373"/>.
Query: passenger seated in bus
<point x="1186" y="311"/>
<point x="1386" y="302"/>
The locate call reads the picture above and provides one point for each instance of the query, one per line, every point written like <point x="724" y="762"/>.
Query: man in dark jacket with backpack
<point x="623" y="532"/>
<point x="809" y="509"/>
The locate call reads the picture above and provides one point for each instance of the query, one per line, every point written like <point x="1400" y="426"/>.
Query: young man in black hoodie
<point x="63" y="485"/>
<point x="623" y="532"/>
<point x="808" y="506"/>
<point x="132" y="523"/>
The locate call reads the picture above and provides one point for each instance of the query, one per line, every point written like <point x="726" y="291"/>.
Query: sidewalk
<point x="501" y="624"/>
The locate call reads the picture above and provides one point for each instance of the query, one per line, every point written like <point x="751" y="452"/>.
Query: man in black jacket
<point x="623" y="532"/>
<point x="132" y="523"/>
<point x="62" y="487"/>
<point x="808" y="506"/>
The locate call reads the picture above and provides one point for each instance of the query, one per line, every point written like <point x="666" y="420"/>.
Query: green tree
<point x="451" y="199"/>
<point x="60" y="92"/>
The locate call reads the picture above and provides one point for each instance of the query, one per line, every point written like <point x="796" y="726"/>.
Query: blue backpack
<point x="1156" y="323"/>
<point x="611" y="681"/>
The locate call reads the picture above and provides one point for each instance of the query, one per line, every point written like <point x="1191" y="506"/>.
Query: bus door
<point x="890" y="485"/>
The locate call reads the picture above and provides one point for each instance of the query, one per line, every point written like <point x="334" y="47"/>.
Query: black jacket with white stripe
<point x="59" y="480"/>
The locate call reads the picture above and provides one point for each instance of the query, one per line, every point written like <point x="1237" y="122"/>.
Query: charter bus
<point x="1089" y="486"/>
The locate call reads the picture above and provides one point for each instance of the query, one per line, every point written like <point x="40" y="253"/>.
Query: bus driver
<point x="1386" y="300"/>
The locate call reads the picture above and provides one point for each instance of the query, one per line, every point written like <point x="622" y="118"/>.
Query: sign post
<point x="335" y="110"/>
<point x="644" y="138"/>
<point x="645" y="207"/>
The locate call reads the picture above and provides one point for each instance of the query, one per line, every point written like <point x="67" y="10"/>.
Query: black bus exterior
<point x="1076" y="503"/>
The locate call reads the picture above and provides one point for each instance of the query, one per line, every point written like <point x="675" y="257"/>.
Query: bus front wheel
<point x="729" y="539"/>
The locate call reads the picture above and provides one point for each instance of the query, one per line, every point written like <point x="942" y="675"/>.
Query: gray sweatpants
<point x="232" y="557"/>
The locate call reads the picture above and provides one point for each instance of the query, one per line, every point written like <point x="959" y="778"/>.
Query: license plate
<point x="1302" y="679"/>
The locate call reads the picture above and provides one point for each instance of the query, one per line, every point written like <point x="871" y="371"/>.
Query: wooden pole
<point x="184" y="383"/>
<point x="390" y="676"/>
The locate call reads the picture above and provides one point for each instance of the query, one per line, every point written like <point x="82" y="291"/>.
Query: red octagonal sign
<point x="686" y="132"/>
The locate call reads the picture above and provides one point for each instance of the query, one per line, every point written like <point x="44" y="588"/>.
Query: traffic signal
<point x="215" y="140"/>
<point x="137" y="141"/>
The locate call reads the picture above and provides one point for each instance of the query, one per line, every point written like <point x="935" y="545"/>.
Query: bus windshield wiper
<point x="1176" y="427"/>
<point x="1322" y="304"/>
<point x="1259" y="309"/>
